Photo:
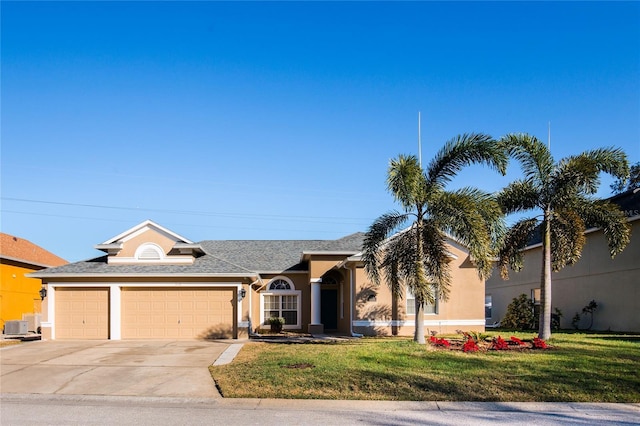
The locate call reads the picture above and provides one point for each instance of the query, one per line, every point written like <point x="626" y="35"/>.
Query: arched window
<point x="280" y="284"/>
<point x="149" y="251"/>
<point x="329" y="280"/>
<point x="281" y="299"/>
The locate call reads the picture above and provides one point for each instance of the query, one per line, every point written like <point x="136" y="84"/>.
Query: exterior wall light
<point x="43" y="292"/>
<point x="241" y="294"/>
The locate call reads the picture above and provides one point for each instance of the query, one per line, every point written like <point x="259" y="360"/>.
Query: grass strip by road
<point x="579" y="367"/>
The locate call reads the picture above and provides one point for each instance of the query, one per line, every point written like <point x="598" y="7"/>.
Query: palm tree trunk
<point x="418" y="334"/>
<point x="421" y="279"/>
<point x="544" y="327"/>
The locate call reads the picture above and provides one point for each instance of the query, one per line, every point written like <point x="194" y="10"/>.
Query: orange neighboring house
<point x="19" y="294"/>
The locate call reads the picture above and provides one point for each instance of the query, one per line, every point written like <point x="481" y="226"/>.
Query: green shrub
<point x="519" y="314"/>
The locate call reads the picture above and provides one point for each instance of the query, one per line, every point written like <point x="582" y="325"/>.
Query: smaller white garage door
<point x="82" y="313"/>
<point x="174" y="313"/>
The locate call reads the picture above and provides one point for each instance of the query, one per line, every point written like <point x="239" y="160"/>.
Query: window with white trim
<point x="281" y="299"/>
<point x="429" y="308"/>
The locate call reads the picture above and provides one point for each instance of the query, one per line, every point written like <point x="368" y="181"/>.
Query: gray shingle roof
<point x="233" y="257"/>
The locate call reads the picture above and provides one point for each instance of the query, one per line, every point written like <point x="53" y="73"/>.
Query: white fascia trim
<point x="281" y="272"/>
<point x="412" y="323"/>
<point x="306" y="254"/>
<point x="153" y="275"/>
<point x="122" y="284"/>
<point x="112" y="248"/>
<point x="144" y="226"/>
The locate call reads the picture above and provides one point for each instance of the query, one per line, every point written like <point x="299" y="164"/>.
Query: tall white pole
<point x="419" y="142"/>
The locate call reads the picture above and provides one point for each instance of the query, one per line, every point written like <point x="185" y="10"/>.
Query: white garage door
<point x="174" y="313"/>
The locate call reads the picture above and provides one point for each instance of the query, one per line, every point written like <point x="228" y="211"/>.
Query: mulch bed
<point x="487" y="345"/>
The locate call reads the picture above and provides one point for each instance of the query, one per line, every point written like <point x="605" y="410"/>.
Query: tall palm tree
<point x="416" y="257"/>
<point x="562" y="193"/>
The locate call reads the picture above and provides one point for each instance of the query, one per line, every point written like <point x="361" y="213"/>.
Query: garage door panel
<point x="176" y="313"/>
<point x="82" y="313"/>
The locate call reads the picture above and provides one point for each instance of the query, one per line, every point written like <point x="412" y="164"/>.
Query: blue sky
<point x="262" y="120"/>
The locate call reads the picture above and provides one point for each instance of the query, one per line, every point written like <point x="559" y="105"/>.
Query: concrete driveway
<point x="177" y="368"/>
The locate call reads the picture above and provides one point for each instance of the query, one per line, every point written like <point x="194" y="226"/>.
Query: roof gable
<point x="144" y="227"/>
<point x="149" y="242"/>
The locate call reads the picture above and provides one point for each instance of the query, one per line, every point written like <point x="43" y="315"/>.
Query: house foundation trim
<point x="412" y="323"/>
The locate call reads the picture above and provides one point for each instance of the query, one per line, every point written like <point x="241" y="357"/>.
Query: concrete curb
<point x="337" y="405"/>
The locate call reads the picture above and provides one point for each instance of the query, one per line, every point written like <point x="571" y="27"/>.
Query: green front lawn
<point x="579" y="367"/>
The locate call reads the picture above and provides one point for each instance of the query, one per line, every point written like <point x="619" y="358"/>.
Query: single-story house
<point x="153" y="283"/>
<point x="19" y="294"/>
<point x="613" y="283"/>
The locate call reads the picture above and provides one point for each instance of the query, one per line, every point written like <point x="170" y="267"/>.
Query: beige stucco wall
<point x="613" y="283"/>
<point x="463" y="311"/>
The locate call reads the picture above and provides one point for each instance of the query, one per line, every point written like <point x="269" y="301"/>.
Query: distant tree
<point x="622" y="185"/>
<point x="562" y="192"/>
<point x="417" y="257"/>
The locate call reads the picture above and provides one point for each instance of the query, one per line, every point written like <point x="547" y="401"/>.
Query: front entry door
<point x="329" y="308"/>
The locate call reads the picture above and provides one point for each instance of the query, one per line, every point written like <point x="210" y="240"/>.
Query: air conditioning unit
<point x="16" y="327"/>
<point x="33" y="321"/>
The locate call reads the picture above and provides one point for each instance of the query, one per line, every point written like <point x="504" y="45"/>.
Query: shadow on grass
<point x="618" y="338"/>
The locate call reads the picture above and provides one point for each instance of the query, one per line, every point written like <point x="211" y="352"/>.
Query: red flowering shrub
<point x="499" y="344"/>
<point x="517" y="341"/>
<point x="470" y="346"/>
<point x="439" y="342"/>
<point x="539" y="343"/>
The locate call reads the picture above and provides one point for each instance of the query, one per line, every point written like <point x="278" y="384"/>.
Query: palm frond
<point x="474" y="218"/>
<point x="533" y="155"/>
<point x="608" y="216"/>
<point x="581" y="173"/>
<point x="567" y="238"/>
<point x="398" y="262"/>
<point x="464" y="150"/>
<point x="406" y="182"/>
<point x="520" y="195"/>
<point x="436" y="262"/>
<point x="375" y="237"/>
<point x="517" y="238"/>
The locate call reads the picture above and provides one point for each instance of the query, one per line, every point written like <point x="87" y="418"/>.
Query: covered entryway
<point x="177" y="313"/>
<point x="82" y="313"/>
<point x="329" y="303"/>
